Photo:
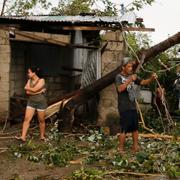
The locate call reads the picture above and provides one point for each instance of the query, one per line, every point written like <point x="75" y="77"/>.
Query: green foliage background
<point x="67" y="7"/>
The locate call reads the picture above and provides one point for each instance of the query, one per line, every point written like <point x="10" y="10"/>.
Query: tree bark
<point x="85" y="94"/>
<point x="162" y="46"/>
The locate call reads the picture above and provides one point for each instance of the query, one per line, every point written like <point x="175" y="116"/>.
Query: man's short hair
<point x="126" y="60"/>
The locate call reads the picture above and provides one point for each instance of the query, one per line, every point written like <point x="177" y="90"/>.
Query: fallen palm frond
<point x="156" y="136"/>
<point x="159" y="136"/>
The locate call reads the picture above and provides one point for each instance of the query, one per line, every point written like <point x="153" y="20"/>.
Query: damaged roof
<point x="51" y="23"/>
<point x="70" y="20"/>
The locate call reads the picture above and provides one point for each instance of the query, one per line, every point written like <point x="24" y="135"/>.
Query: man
<point x="125" y="83"/>
<point x="177" y="88"/>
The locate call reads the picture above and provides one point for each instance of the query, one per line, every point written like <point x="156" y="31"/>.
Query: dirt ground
<point x="13" y="168"/>
<point x="19" y="169"/>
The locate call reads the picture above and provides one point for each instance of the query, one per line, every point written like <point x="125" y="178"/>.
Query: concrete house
<point x="67" y="48"/>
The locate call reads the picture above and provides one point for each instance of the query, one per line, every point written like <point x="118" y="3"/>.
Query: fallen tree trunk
<point x="162" y="46"/>
<point x="83" y="95"/>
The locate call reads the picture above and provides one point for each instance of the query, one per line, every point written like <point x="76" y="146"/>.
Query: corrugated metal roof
<point x="68" y="19"/>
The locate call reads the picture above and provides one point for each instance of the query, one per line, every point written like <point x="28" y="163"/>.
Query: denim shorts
<point x="38" y="105"/>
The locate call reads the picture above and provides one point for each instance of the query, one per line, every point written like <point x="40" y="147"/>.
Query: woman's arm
<point x="27" y="84"/>
<point x="37" y="88"/>
<point x="34" y="93"/>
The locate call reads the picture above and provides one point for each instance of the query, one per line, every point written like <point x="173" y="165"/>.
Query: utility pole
<point x="122" y="10"/>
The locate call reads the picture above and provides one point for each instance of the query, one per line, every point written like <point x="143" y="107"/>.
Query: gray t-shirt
<point x="126" y="99"/>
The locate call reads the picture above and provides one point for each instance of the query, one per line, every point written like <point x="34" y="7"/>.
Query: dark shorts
<point x="39" y="106"/>
<point x="128" y="121"/>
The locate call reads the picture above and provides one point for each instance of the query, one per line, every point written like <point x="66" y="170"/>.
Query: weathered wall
<point x="17" y="69"/>
<point x="17" y="56"/>
<point x="51" y="59"/>
<point x="58" y="86"/>
<point x="5" y="52"/>
<point x="111" y="58"/>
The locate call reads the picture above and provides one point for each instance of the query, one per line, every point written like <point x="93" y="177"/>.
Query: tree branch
<point x="3" y="7"/>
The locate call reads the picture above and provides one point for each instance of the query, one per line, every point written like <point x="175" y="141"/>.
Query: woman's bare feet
<point x="20" y="138"/>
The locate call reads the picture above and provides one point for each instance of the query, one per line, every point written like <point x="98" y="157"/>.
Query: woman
<point x="35" y="89"/>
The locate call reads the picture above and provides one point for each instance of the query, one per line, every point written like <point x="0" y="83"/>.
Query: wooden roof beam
<point x="22" y="35"/>
<point x="33" y="37"/>
<point x="96" y="28"/>
<point x="138" y="29"/>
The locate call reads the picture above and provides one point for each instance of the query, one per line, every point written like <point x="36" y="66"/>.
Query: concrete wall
<point x="111" y="58"/>
<point x="17" y="69"/>
<point x="59" y="85"/>
<point x="5" y="52"/>
<point x="50" y="59"/>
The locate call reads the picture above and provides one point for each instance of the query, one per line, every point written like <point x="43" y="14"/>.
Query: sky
<point x="163" y="16"/>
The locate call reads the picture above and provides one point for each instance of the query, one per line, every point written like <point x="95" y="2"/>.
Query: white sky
<point x="163" y="15"/>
